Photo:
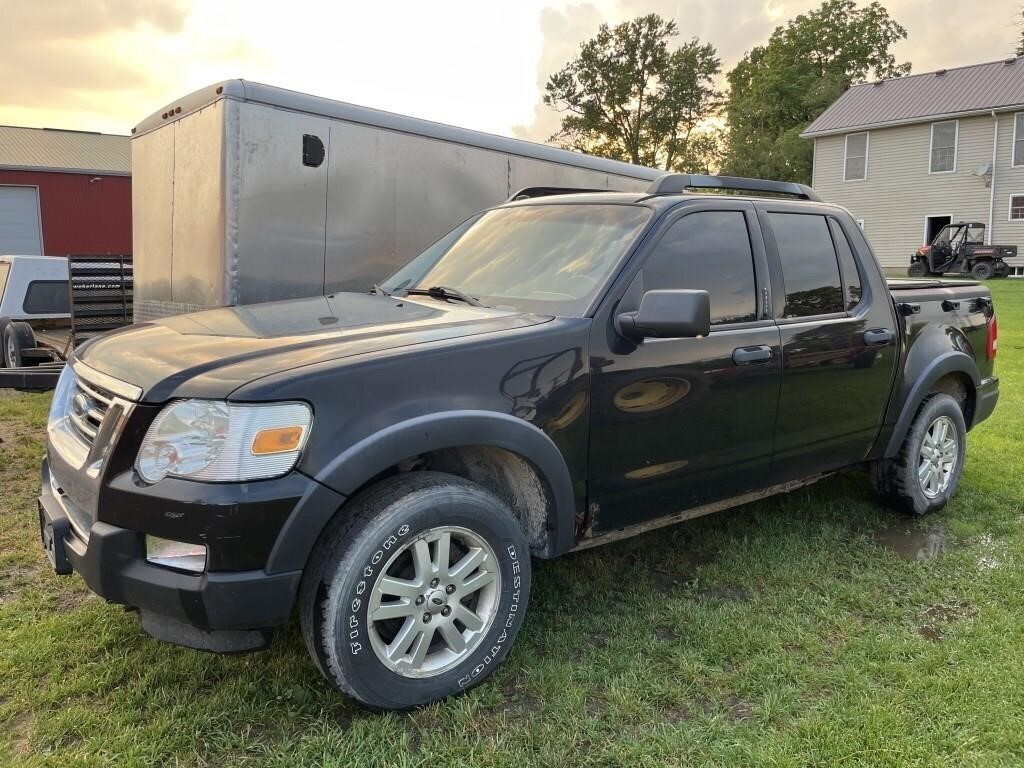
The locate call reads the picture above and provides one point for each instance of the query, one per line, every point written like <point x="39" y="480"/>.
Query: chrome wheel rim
<point x="434" y="602"/>
<point x="937" y="458"/>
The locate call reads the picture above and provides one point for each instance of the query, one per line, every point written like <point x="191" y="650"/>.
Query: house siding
<point x="899" y="192"/>
<point x="1009" y="181"/>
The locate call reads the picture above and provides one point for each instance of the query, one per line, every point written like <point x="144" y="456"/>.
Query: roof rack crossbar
<point x="531" y="192"/>
<point x="676" y="183"/>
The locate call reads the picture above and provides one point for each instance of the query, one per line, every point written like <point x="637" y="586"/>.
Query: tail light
<point x="992" y="342"/>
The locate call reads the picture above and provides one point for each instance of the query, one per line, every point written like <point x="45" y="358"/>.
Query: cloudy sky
<point x="104" y="65"/>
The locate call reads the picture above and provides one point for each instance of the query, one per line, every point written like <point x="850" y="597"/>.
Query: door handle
<point x="878" y="337"/>
<point x="751" y="355"/>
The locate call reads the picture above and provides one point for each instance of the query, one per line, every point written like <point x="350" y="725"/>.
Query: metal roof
<point x="976" y="89"/>
<point x="48" y="149"/>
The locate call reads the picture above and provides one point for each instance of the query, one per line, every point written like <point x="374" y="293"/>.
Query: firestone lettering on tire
<point x="355" y="626"/>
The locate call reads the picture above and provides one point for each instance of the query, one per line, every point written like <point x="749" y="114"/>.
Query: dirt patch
<point x="940" y="615"/>
<point x="596" y="705"/>
<point x="738" y="710"/>
<point x="516" y="703"/>
<point x="15" y="580"/>
<point x="666" y="634"/>
<point x="673" y="715"/>
<point x="20" y="726"/>
<point x="72" y="599"/>
<point x="665" y="581"/>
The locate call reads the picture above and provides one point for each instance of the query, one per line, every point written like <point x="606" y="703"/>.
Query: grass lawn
<point x="809" y="629"/>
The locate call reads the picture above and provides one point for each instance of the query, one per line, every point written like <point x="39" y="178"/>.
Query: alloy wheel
<point x="937" y="457"/>
<point x="434" y="601"/>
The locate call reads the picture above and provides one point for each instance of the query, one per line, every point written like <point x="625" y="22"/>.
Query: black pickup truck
<point x="557" y="372"/>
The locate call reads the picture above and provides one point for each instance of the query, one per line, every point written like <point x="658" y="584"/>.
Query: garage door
<point x="19" y="221"/>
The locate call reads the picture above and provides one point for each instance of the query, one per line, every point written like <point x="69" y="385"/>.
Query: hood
<point x="212" y="353"/>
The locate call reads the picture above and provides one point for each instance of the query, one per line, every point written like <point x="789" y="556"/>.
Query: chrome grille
<point x="87" y="408"/>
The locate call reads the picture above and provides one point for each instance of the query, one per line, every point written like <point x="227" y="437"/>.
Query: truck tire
<point x="390" y="617"/>
<point x="983" y="270"/>
<point x="925" y="473"/>
<point x="917" y="269"/>
<point x="18" y="337"/>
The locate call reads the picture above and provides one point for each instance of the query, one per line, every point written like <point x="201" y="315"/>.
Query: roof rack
<point x="531" y="192"/>
<point x="676" y="183"/>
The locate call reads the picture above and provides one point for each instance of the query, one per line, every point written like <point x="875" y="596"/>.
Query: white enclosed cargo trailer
<point x="243" y="193"/>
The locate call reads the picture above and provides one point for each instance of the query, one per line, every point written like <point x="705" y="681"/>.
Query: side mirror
<point x="668" y="315"/>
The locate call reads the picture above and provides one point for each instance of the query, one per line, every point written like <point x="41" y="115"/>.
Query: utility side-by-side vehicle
<point x="556" y="372"/>
<point x="960" y="249"/>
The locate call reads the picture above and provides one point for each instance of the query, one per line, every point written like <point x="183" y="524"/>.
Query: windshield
<point x="537" y="258"/>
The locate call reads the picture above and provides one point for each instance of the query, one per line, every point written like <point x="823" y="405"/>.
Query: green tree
<point x="779" y="88"/>
<point x="629" y="97"/>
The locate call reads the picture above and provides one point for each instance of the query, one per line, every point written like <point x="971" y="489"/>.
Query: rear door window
<point x="810" y="269"/>
<point x="708" y="250"/>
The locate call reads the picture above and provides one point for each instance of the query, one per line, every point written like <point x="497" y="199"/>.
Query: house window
<point x="1018" y="139"/>
<point x="1016" y="207"/>
<point x="944" y="136"/>
<point x="856" y="165"/>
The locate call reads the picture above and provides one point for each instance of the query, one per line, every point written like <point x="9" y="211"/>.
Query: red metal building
<point x="64" y="192"/>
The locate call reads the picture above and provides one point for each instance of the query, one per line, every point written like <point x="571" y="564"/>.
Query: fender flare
<point x="943" y="365"/>
<point x="351" y="469"/>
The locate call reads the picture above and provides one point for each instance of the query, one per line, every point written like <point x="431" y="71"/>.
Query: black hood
<point x="212" y="353"/>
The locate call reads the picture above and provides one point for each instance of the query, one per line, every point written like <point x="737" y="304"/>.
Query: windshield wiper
<point x="375" y="288"/>
<point x="442" y="292"/>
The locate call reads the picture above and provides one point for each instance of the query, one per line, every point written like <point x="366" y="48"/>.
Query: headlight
<point x="223" y="442"/>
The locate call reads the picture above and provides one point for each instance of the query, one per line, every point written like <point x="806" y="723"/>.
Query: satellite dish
<point x="983" y="169"/>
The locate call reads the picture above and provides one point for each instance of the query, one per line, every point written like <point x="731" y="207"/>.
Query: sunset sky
<point x="104" y="65"/>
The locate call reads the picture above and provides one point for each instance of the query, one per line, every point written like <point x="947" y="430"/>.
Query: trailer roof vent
<point x="940" y="72"/>
<point x="1009" y="61"/>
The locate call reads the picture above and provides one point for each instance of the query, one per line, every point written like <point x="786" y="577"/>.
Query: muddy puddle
<point x="912" y="543"/>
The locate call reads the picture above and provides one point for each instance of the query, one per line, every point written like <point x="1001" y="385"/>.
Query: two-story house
<point x="909" y="155"/>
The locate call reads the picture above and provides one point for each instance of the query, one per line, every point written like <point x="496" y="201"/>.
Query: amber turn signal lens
<point x="277" y="440"/>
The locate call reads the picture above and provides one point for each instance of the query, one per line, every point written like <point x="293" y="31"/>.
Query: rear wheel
<point x="983" y="270"/>
<point x="416" y="591"/>
<point x="18" y="337"/>
<point x="926" y="472"/>
<point x="917" y="269"/>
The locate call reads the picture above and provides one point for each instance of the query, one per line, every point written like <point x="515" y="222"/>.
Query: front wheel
<point x="416" y="591"/>
<point x="925" y="474"/>
<point x="917" y="269"/>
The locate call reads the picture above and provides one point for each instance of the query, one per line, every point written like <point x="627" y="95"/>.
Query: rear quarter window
<point x="46" y="297"/>
<point x="810" y="269"/>
<point x="848" y="264"/>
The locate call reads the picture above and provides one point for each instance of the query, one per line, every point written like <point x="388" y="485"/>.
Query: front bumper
<point x="219" y="611"/>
